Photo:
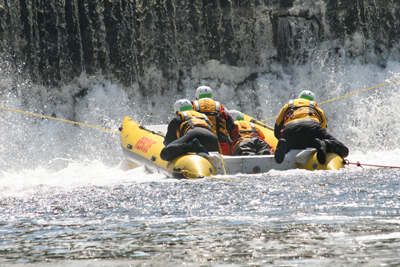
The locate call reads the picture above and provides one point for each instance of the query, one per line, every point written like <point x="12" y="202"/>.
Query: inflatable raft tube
<point x="142" y="147"/>
<point x="307" y="159"/>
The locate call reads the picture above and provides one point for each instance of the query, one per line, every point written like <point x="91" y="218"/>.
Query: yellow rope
<point x="48" y="117"/>
<point x="358" y="92"/>
<point x="222" y="157"/>
<point x="345" y="96"/>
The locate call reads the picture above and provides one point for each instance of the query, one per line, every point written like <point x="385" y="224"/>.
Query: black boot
<point x="280" y="151"/>
<point x="328" y="145"/>
<point x="321" y="150"/>
<point x="198" y="148"/>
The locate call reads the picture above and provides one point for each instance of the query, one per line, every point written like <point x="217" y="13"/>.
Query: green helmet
<point x="236" y="115"/>
<point x="307" y="95"/>
<point x="182" y="105"/>
<point x="203" y="92"/>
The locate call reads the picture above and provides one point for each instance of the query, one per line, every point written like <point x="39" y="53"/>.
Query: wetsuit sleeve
<point x="173" y="127"/>
<point x="279" y="122"/>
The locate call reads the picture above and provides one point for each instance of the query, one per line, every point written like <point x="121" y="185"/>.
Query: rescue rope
<point x="370" y="165"/>
<point x="48" y="117"/>
<point x="345" y="96"/>
<point x="222" y="157"/>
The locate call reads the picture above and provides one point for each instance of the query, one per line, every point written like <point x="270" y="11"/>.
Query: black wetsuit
<point x="300" y="135"/>
<point x="176" y="147"/>
<point x="251" y="147"/>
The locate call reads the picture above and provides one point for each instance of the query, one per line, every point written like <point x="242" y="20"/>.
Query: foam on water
<point x="28" y="182"/>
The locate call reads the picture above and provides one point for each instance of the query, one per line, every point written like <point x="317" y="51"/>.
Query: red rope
<point x="372" y="165"/>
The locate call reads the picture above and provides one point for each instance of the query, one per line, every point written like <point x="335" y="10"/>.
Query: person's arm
<point x="232" y="128"/>
<point x="324" y="122"/>
<point x="280" y="120"/>
<point x="173" y="127"/>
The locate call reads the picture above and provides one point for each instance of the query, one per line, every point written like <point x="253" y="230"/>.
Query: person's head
<point x="236" y="115"/>
<point x="306" y="94"/>
<point x="203" y="92"/>
<point x="182" y="105"/>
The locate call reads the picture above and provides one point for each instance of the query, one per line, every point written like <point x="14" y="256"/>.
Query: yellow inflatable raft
<point x="141" y="146"/>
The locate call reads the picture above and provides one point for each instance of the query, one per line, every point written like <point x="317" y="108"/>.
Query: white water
<point x="37" y="151"/>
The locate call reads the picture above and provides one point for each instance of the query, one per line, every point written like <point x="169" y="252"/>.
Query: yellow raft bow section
<point x="142" y="146"/>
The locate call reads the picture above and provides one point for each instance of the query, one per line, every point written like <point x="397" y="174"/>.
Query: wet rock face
<point x="156" y="44"/>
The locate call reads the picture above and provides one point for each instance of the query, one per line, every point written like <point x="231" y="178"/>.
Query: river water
<point x="92" y="215"/>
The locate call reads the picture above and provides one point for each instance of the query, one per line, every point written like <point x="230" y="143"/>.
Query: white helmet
<point x="236" y="115"/>
<point x="307" y="95"/>
<point x="182" y="105"/>
<point x="203" y="92"/>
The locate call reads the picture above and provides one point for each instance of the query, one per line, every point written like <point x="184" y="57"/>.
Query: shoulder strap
<point x="217" y="107"/>
<point x="188" y="119"/>
<point x="311" y="110"/>
<point x="289" y="110"/>
<point x="196" y="105"/>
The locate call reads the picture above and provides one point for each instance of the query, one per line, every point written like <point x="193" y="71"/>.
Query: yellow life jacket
<point x="247" y="130"/>
<point x="192" y="119"/>
<point x="299" y="109"/>
<point x="212" y="109"/>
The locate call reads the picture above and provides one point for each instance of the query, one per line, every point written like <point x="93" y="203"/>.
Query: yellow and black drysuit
<point x="251" y="141"/>
<point x="223" y="124"/>
<point x="186" y="126"/>
<point x="300" y="121"/>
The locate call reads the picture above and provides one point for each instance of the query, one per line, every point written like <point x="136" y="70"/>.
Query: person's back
<point x="223" y="124"/>
<point x="191" y="119"/>
<point x="251" y="140"/>
<point x="212" y="109"/>
<point x="301" y="124"/>
<point x="248" y="130"/>
<point x="296" y="110"/>
<point x="189" y="131"/>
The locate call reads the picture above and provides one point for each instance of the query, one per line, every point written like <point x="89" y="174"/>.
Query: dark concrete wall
<point x="128" y="41"/>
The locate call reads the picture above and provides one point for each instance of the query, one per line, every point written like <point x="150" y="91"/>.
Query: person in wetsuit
<point x="189" y="131"/>
<point x="251" y="140"/>
<point x="226" y="129"/>
<point x="301" y="124"/>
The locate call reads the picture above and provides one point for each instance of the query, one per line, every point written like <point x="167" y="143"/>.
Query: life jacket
<point x="247" y="130"/>
<point x="300" y="109"/>
<point x="192" y="119"/>
<point x="212" y="109"/>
